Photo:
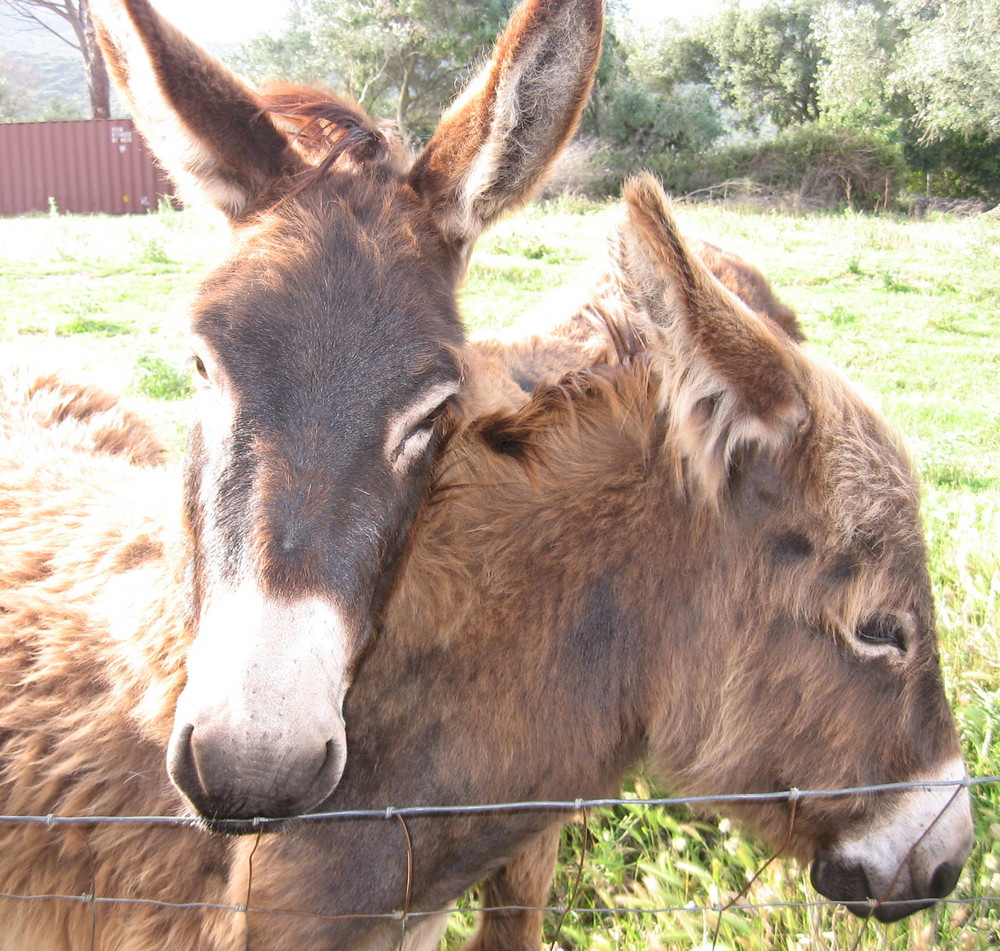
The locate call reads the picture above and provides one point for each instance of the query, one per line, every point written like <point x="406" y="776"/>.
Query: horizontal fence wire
<point x="542" y="805"/>
<point x="691" y="907"/>
<point x="792" y="796"/>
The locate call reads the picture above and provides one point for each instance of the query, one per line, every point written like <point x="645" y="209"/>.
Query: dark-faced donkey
<point x="329" y="345"/>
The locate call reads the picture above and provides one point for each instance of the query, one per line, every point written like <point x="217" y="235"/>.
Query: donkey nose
<point x="854" y="885"/>
<point x="944" y="879"/>
<point x="224" y="779"/>
<point x="905" y="858"/>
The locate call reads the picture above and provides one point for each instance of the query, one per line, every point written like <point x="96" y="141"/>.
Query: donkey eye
<point x="200" y="367"/>
<point x="419" y="436"/>
<point x="432" y="417"/>
<point x="882" y="629"/>
<point x="410" y="435"/>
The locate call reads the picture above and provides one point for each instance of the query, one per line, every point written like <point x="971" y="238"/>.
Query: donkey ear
<point x="204" y="125"/>
<point x="729" y="379"/>
<point x="496" y="143"/>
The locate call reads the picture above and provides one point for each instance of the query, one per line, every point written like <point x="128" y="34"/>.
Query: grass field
<point x="909" y="309"/>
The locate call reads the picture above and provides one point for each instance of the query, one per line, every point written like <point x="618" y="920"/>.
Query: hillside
<point x="42" y="76"/>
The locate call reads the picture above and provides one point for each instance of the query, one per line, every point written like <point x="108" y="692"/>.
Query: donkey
<point x="703" y="550"/>
<point x="328" y="345"/>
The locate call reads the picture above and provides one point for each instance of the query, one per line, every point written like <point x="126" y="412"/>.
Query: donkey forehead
<point x="858" y="474"/>
<point x="335" y="296"/>
<point x="352" y="250"/>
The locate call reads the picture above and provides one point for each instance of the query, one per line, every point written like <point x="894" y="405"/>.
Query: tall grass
<point x="909" y="309"/>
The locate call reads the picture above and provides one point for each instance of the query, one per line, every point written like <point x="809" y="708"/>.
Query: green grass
<point x="910" y="309"/>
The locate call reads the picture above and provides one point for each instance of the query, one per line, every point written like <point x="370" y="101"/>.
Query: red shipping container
<point x="85" y="167"/>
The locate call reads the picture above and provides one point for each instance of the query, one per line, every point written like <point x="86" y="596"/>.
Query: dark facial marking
<point x="792" y="548"/>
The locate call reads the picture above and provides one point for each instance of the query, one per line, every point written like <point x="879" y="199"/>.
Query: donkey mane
<point x="628" y="389"/>
<point x="617" y="344"/>
<point x="326" y="128"/>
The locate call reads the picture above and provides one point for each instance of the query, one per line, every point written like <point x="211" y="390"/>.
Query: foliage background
<point x="864" y="103"/>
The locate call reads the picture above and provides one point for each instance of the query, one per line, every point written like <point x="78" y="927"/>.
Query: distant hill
<point x="46" y="75"/>
<point x="47" y="72"/>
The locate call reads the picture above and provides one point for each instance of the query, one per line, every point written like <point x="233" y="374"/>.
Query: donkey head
<point x="815" y="654"/>
<point x="328" y="345"/>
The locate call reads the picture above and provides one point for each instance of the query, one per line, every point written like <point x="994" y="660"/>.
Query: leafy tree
<point x="765" y="61"/>
<point x="404" y="57"/>
<point x="647" y="123"/>
<point x="75" y="15"/>
<point x="860" y="41"/>
<point x="17" y="102"/>
<point x="643" y="110"/>
<point x="649" y="100"/>
<point x="950" y="69"/>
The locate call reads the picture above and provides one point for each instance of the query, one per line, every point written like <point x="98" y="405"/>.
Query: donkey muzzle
<point x="906" y="859"/>
<point x="227" y="781"/>
<point x="259" y="730"/>
<point x="850" y="884"/>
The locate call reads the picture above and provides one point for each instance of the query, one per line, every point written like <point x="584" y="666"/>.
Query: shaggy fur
<point x="575" y="534"/>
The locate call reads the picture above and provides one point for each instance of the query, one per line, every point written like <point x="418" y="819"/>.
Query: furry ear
<point x="729" y="380"/>
<point x="497" y="142"/>
<point x="204" y="125"/>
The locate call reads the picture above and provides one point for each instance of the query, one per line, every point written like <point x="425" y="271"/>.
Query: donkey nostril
<point x="945" y="879"/>
<point x="223" y="779"/>
<point x="328" y="776"/>
<point x="842" y="881"/>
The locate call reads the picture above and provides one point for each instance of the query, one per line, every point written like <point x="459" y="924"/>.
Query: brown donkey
<point x="329" y="345"/>
<point x="703" y="550"/>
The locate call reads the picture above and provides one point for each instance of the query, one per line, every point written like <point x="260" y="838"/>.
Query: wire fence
<point x="570" y="807"/>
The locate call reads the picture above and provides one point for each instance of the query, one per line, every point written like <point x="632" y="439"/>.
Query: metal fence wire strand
<point x="793" y="803"/>
<point x="577" y="806"/>
<point x="563" y="805"/>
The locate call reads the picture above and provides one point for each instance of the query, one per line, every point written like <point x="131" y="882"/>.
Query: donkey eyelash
<point x="886" y="630"/>
<point x="412" y="445"/>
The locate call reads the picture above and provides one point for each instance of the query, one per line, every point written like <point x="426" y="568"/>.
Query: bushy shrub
<point x="656" y="130"/>
<point x="817" y="166"/>
<point x="823" y="165"/>
<point x="681" y="173"/>
<point x="955" y="166"/>
<point x="581" y="169"/>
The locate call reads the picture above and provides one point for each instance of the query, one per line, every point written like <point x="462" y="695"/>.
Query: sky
<point x="211" y="21"/>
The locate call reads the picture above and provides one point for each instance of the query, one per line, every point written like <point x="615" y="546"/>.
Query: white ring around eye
<point x="405" y="437"/>
<point x="906" y="623"/>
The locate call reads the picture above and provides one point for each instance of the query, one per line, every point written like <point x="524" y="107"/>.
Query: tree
<point x="860" y="41"/>
<point x="648" y="124"/>
<point x="76" y="15"/>
<point x="17" y="103"/>
<point x="404" y="57"/>
<point x="950" y="69"/>
<point x="765" y="61"/>
<point x="644" y="114"/>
